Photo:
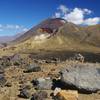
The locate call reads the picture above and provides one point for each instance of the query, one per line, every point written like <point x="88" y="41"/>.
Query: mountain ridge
<point x="57" y="34"/>
<point x="85" y="34"/>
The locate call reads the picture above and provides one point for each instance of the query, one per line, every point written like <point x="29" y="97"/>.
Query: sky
<point x="17" y="16"/>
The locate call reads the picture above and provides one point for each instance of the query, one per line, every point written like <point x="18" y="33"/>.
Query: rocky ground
<point x="25" y="78"/>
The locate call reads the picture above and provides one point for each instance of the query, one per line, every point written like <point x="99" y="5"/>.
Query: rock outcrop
<point x="85" y="77"/>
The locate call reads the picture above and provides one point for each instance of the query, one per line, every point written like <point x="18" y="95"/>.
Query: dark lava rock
<point x="2" y="80"/>
<point x="44" y="83"/>
<point x="33" y="68"/>
<point x="85" y="77"/>
<point x="24" y="93"/>
<point x="41" y="95"/>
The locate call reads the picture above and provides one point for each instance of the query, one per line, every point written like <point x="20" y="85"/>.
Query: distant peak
<point x="59" y="19"/>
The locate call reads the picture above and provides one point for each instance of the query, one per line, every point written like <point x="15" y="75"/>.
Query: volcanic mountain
<point x="58" y="34"/>
<point x="49" y="24"/>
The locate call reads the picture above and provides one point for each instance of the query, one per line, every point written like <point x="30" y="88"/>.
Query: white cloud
<point x="76" y="15"/>
<point x="87" y="11"/>
<point x="11" y="26"/>
<point x="92" y="21"/>
<point x="18" y="26"/>
<point x="63" y="8"/>
<point x="57" y="15"/>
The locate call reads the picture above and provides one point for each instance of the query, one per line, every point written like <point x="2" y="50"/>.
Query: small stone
<point x="56" y="91"/>
<point x="67" y="95"/>
<point x="41" y="95"/>
<point x="2" y="80"/>
<point x="27" y="86"/>
<point x="44" y="83"/>
<point x="24" y="93"/>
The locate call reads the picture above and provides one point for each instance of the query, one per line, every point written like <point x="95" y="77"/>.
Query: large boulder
<point x="85" y="77"/>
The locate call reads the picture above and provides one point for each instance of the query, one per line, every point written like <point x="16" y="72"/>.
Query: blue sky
<point x="20" y="15"/>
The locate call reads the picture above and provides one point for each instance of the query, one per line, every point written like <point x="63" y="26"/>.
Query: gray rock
<point x="33" y="68"/>
<point x="24" y="93"/>
<point x="2" y="80"/>
<point x="83" y="76"/>
<point x="41" y="95"/>
<point x="16" y="59"/>
<point x="44" y="83"/>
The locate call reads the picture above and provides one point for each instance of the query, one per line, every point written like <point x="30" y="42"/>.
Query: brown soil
<point x="15" y="75"/>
